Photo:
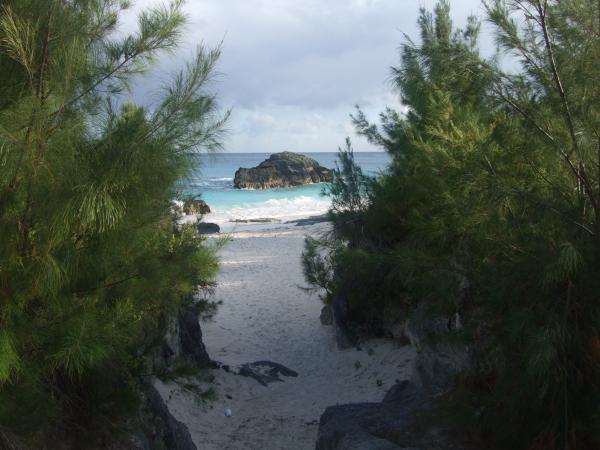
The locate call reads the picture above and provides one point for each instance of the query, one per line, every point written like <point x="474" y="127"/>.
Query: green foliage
<point x="494" y="180"/>
<point x="9" y="363"/>
<point x="349" y="193"/>
<point x="350" y="187"/>
<point x="317" y="267"/>
<point x="91" y="261"/>
<point x="190" y="379"/>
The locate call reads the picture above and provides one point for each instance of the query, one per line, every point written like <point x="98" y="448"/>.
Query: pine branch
<point x="542" y="11"/>
<point x="107" y="285"/>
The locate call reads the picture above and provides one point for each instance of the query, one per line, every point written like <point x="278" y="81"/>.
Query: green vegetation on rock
<point x="282" y="170"/>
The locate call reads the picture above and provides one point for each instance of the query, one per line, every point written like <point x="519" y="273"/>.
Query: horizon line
<point x="292" y="151"/>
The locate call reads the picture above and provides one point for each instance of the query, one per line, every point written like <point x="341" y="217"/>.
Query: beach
<point x="213" y="181"/>
<point x="266" y="315"/>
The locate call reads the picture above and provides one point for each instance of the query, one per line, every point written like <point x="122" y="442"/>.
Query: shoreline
<point x="266" y="315"/>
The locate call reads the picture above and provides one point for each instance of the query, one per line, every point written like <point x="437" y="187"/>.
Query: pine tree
<point x="495" y="179"/>
<point x="555" y="98"/>
<point x="90" y="264"/>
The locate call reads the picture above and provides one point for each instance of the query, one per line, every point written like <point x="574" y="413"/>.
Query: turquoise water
<point x="214" y="183"/>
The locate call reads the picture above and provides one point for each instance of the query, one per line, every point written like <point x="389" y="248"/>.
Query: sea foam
<point x="281" y="208"/>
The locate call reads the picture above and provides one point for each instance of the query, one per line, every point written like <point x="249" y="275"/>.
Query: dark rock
<point x="266" y="372"/>
<point x="167" y="352"/>
<point x="394" y="322"/>
<point x="326" y="315"/>
<point x="167" y="430"/>
<point x="373" y="426"/>
<point x="396" y="422"/>
<point x="282" y="170"/>
<point x="439" y="361"/>
<point x="190" y="337"/>
<point x="195" y="207"/>
<point x="310" y="220"/>
<point x="182" y="340"/>
<point x="207" y="228"/>
<point x="405" y="392"/>
<point x="345" y="334"/>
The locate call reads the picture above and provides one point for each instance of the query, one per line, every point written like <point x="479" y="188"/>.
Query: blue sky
<point x="292" y="70"/>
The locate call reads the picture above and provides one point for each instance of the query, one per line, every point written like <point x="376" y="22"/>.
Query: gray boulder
<point x="373" y="426"/>
<point x="207" y="228"/>
<point x="183" y="340"/>
<point x="326" y="316"/>
<point x="282" y="170"/>
<point x="167" y="432"/>
<point x="392" y="424"/>
<point x="439" y="359"/>
<point x="190" y="337"/>
<point x="346" y="335"/>
<point x="196" y="207"/>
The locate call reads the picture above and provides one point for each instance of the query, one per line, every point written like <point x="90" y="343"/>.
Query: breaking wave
<point x="282" y="209"/>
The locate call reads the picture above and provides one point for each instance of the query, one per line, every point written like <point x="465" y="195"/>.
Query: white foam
<point x="282" y="209"/>
<point x="212" y="182"/>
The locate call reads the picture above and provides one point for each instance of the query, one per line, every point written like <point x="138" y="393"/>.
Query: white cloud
<point x="294" y="69"/>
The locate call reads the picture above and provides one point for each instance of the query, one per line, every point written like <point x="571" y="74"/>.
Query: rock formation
<point x="166" y="431"/>
<point x="154" y="427"/>
<point x="190" y="337"/>
<point x="374" y="426"/>
<point x="282" y="170"/>
<point x="393" y="424"/>
<point x="195" y="207"/>
<point x="183" y="340"/>
<point x="207" y="228"/>
<point x="266" y="372"/>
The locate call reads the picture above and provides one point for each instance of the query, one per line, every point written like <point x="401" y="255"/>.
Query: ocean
<point x="213" y="182"/>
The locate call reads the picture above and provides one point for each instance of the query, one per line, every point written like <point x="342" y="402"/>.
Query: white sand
<point x="266" y="316"/>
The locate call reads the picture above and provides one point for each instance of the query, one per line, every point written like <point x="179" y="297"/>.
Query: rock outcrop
<point x="282" y="170"/>
<point x="326" y="315"/>
<point x="439" y="360"/>
<point x="166" y="432"/>
<point x="183" y="341"/>
<point x="154" y="427"/>
<point x="207" y="228"/>
<point x="190" y="337"/>
<point x="195" y="207"/>
<point x="393" y="423"/>
<point x="400" y="422"/>
<point x="346" y="335"/>
<point x="374" y="426"/>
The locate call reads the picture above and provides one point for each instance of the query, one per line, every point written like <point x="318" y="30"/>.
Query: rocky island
<point x="282" y="170"/>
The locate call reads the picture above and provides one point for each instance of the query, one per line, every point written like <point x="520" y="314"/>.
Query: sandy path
<point x="265" y="316"/>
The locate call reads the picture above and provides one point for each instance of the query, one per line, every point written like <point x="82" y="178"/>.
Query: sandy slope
<point x="266" y="316"/>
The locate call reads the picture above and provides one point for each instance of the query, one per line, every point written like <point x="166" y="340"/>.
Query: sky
<point x="291" y="71"/>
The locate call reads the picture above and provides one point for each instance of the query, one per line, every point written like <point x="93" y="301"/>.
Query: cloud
<point x="293" y="70"/>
